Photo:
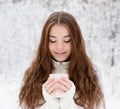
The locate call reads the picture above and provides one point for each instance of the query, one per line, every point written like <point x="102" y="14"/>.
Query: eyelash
<point x="52" y="41"/>
<point x="67" y="41"/>
<point x="55" y="41"/>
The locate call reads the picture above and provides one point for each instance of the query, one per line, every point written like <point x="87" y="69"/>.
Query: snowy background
<point x="21" y="22"/>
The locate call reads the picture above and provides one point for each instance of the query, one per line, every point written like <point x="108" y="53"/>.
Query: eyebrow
<point x="64" y="36"/>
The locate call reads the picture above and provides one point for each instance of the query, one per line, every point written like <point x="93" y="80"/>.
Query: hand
<point x="65" y="84"/>
<point x="50" y="85"/>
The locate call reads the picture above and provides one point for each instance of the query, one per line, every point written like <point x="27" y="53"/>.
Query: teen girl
<point x="61" y="51"/>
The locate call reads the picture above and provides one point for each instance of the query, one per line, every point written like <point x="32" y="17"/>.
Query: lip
<point x="59" y="53"/>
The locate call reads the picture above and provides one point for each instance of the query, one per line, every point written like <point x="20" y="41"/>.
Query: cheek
<point x="69" y="47"/>
<point x="51" y="47"/>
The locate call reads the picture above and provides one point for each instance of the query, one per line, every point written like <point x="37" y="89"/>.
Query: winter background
<point x="21" y="22"/>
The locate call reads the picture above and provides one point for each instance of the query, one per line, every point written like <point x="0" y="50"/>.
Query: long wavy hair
<point x="81" y="70"/>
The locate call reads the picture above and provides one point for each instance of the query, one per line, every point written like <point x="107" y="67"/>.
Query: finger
<point x="65" y="85"/>
<point x="49" y="83"/>
<point x="51" y="89"/>
<point x="66" y="82"/>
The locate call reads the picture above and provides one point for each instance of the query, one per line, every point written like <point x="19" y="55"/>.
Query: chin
<point x="60" y="60"/>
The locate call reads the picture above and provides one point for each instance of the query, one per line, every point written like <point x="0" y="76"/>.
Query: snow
<point x="21" y="22"/>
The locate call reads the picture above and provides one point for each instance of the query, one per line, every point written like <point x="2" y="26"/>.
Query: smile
<point x="60" y="53"/>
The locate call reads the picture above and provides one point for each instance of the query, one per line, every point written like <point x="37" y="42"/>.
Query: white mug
<point x="58" y="92"/>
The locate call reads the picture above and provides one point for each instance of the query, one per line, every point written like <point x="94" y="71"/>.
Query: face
<point x="59" y="42"/>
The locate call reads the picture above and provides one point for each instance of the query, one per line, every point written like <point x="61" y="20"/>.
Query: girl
<point x="61" y="51"/>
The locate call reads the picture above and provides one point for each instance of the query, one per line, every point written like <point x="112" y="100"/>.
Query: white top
<point x="66" y="101"/>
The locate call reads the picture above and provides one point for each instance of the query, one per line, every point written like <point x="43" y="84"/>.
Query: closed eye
<point x="67" y="41"/>
<point x="52" y="41"/>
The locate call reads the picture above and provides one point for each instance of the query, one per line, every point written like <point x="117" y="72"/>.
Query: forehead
<point x="59" y="30"/>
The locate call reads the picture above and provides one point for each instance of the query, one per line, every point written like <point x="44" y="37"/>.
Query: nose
<point x="60" y="45"/>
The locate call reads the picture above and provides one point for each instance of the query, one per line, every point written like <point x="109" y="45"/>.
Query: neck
<point x="67" y="60"/>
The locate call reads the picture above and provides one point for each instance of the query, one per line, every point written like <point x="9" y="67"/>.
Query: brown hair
<point x="81" y="71"/>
